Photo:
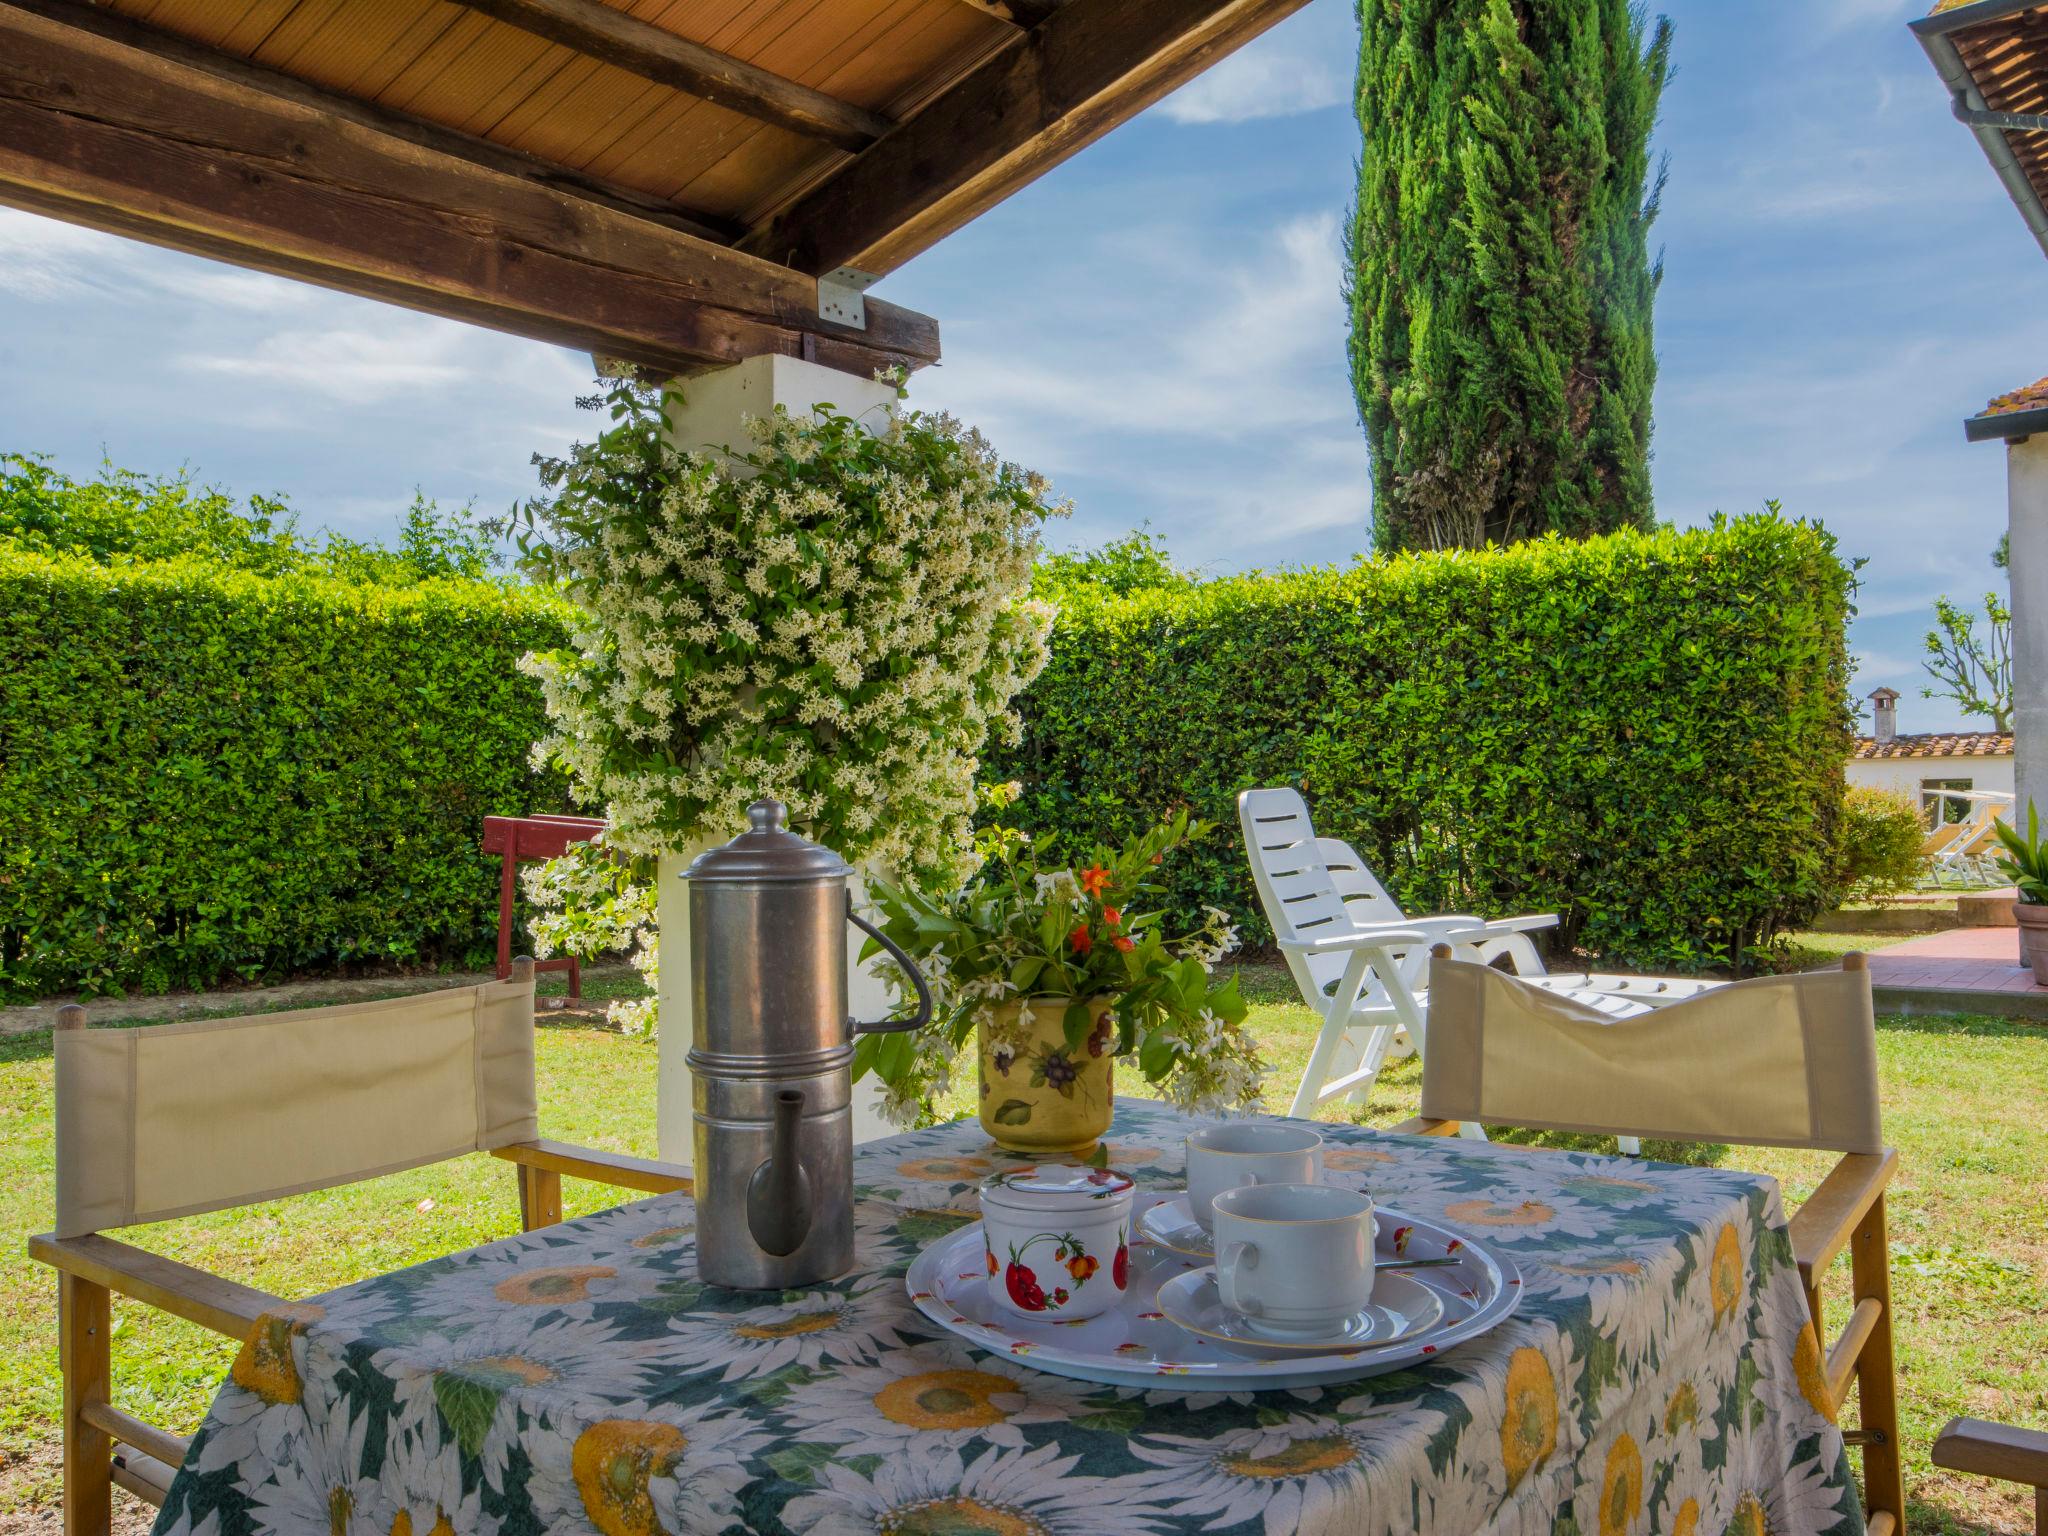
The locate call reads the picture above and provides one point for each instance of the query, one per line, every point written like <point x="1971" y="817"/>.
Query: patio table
<point x="1660" y="1376"/>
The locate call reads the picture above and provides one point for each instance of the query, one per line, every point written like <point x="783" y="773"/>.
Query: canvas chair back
<point x="1787" y="1061"/>
<point x="172" y="1119"/>
<point x="1308" y="885"/>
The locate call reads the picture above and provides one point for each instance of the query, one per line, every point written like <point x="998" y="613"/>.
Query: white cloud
<point x="1228" y="352"/>
<point x="42" y="260"/>
<point x="1847" y="15"/>
<point x="362" y="354"/>
<point x="1303" y="65"/>
<point x="1204" y="390"/>
<point x="357" y="365"/>
<point x="1253" y="85"/>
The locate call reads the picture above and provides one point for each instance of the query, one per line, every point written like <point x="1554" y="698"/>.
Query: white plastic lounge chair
<point x="1359" y="960"/>
<point x="1971" y="855"/>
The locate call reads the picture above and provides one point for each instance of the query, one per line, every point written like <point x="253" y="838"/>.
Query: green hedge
<point x="207" y="775"/>
<point x="1645" y="732"/>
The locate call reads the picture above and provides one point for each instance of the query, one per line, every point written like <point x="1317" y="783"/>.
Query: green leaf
<point x="1012" y="1112"/>
<point x="1077" y="1023"/>
<point x="799" y="1461"/>
<point x="1120" y="1420"/>
<point x="467" y="1407"/>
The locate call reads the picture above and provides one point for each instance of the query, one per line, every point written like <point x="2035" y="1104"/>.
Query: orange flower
<point x="1123" y="943"/>
<point x="1112" y="916"/>
<point x="1094" y="879"/>
<point x="1082" y="941"/>
<point x="1082" y="1265"/>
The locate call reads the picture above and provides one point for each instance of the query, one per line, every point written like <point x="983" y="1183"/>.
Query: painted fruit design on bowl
<point x="1068" y="1266"/>
<point x="1056" y="1239"/>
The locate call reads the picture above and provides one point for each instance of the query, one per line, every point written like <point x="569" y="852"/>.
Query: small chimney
<point x="1884" y="713"/>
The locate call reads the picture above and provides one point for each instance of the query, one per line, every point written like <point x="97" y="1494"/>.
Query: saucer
<point x="1400" y="1309"/>
<point x="1171" y="1225"/>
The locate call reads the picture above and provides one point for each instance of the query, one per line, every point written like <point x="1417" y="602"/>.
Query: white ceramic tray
<point x="1134" y="1345"/>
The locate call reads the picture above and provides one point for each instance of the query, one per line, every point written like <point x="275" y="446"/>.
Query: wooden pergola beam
<point x="1051" y="92"/>
<point x="594" y="29"/>
<point x="117" y="137"/>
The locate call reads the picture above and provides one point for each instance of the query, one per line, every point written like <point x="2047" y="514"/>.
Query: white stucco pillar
<point x="713" y="414"/>
<point x="2027" y="520"/>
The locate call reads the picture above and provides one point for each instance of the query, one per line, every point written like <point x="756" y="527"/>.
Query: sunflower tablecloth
<point x="1660" y="1377"/>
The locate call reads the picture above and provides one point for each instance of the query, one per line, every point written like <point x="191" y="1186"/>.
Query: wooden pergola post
<point x="712" y="414"/>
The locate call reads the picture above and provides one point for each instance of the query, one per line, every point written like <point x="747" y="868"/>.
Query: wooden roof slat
<point x="502" y="78"/>
<point x="1047" y="95"/>
<point x="472" y="75"/>
<point x="594" y="29"/>
<point x="249" y="30"/>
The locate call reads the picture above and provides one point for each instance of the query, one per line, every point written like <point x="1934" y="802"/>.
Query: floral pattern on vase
<point x="1039" y="1096"/>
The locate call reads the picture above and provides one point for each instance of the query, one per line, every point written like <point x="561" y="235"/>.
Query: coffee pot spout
<point x="779" y="1193"/>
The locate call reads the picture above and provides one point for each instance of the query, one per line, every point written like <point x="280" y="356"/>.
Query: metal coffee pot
<point x="772" y="1062"/>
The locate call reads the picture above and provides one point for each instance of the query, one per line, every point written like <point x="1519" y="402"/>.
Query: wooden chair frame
<point x="104" y="1446"/>
<point x="1998" y="1451"/>
<point x="523" y="840"/>
<point x="1847" y="1212"/>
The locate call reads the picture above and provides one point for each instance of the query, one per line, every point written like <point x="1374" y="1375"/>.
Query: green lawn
<point x="1963" y="1102"/>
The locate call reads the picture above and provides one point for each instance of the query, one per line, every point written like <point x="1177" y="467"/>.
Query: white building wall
<point x="2026" y="479"/>
<point x="1904" y="774"/>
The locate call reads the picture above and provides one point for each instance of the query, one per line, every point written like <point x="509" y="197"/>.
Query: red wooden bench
<point x="527" y="839"/>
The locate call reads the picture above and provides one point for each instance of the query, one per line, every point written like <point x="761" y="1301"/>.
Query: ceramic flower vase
<point x="1039" y="1097"/>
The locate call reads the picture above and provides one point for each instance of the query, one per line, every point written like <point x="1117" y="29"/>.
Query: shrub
<point x="1136" y="562"/>
<point x="209" y="774"/>
<point x="1645" y="733"/>
<point x="1879" y="842"/>
<point x="123" y="517"/>
<point x="833" y="617"/>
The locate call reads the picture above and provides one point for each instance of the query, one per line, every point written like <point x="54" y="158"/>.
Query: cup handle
<point x="1237" y="1256"/>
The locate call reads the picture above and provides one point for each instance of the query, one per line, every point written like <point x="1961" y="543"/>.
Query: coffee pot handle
<point x="923" y="1015"/>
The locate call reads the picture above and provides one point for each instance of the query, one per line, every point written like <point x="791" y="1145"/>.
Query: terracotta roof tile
<point x="2032" y="397"/>
<point x="1937" y="744"/>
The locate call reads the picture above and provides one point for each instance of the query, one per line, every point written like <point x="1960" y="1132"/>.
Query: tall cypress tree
<point x="1500" y="281"/>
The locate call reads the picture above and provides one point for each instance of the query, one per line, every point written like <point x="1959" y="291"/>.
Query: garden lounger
<point x="175" y="1119"/>
<point x="1971" y="856"/>
<point x="1786" y="1061"/>
<point x="1358" y="959"/>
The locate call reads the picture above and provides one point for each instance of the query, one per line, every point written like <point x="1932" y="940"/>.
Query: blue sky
<point x="1157" y="326"/>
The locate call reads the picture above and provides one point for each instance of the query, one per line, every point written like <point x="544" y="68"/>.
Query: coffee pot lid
<point x="768" y="850"/>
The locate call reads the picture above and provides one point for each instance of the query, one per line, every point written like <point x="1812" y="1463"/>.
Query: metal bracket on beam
<point x="842" y="296"/>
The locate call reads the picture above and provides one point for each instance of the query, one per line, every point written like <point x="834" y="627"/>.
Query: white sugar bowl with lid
<point x="1058" y="1240"/>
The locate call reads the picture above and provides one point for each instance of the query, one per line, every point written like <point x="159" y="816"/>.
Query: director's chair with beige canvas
<point x="175" y="1119"/>
<point x="1780" y="1061"/>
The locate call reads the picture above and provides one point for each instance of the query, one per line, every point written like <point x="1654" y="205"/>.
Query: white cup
<point x="1242" y="1152"/>
<point x="1294" y="1258"/>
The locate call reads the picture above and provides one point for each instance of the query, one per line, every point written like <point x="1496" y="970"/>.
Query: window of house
<point x="1942" y="807"/>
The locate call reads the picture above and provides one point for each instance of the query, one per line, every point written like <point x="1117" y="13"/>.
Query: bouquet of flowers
<point x="1053" y="934"/>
